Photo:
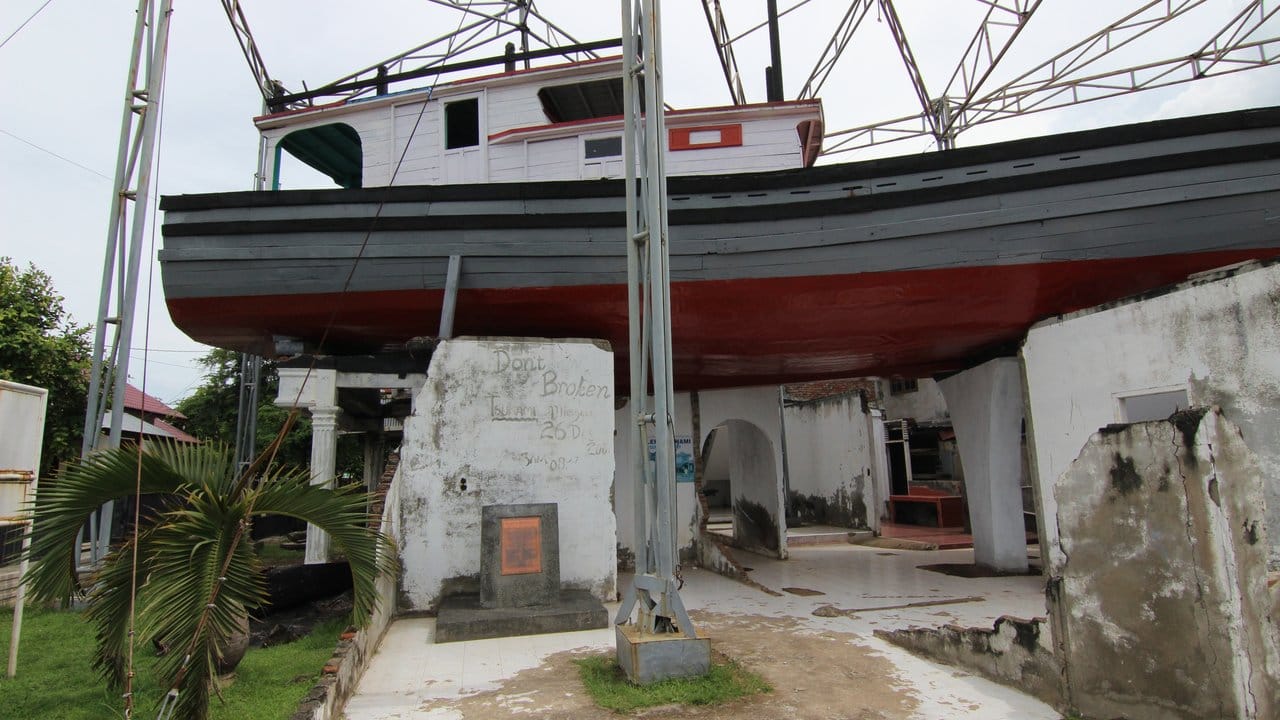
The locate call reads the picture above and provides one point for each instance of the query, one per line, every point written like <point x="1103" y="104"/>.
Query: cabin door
<point x="463" y="157"/>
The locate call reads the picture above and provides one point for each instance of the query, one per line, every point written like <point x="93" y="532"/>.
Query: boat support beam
<point x="450" y="297"/>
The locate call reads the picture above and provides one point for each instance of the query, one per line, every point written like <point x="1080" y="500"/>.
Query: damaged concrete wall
<point x="1158" y="590"/>
<point x="1217" y="338"/>
<point x="503" y="421"/>
<point x="1014" y="652"/>
<point x="829" y="462"/>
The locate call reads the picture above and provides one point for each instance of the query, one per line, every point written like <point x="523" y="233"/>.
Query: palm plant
<point x="192" y="562"/>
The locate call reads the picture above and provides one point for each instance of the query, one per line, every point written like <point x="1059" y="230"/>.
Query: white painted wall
<point x="831" y="455"/>
<point x="521" y="421"/>
<point x="402" y="140"/>
<point x="1217" y="338"/>
<point x="415" y="151"/>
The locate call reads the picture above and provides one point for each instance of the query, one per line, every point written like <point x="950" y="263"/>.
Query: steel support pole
<point x="774" y="91"/>
<point x="251" y="365"/>
<point x="653" y="594"/>
<point x="109" y="370"/>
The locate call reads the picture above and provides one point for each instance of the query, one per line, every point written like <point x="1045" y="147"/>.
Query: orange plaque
<point x="521" y="545"/>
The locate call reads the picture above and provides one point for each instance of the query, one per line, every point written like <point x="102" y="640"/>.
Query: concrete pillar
<point x="372" y="460"/>
<point x="316" y="391"/>
<point x="324" y="460"/>
<point x="985" y="403"/>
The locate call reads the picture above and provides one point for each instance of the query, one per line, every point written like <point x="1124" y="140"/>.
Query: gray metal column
<point x="653" y="595"/>
<point x="109" y="371"/>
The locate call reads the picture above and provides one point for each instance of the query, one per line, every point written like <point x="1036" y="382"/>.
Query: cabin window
<point x="593" y="148"/>
<point x="462" y="124"/>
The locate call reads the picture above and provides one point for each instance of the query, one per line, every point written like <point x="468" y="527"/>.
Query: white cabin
<point x="562" y="122"/>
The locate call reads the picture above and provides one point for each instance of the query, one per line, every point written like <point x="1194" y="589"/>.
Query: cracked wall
<point x="1157" y="589"/>
<point x="1217" y="338"/>
<point x="506" y="421"/>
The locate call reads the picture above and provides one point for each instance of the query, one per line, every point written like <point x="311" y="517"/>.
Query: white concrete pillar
<point x="986" y="411"/>
<point x="324" y="461"/>
<point x="316" y="391"/>
<point x="372" y="460"/>
<point x="879" y="487"/>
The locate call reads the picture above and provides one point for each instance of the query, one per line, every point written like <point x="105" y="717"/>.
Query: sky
<point x="63" y="77"/>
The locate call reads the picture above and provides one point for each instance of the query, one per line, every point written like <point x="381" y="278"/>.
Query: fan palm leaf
<point x="196" y="568"/>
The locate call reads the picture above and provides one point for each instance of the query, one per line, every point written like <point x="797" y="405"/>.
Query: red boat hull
<point x="911" y="323"/>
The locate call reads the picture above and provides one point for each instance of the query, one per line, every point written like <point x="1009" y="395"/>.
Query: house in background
<point x="147" y="417"/>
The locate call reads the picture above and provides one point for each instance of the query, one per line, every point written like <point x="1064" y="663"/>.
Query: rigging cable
<point x="146" y="349"/>
<point x="24" y="23"/>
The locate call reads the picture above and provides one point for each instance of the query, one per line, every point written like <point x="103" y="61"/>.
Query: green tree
<point x="192" y="563"/>
<point x="41" y="346"/>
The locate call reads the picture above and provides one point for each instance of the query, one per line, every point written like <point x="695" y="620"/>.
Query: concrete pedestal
<point x="649" y="658"/>
<point x="461" y="617"/>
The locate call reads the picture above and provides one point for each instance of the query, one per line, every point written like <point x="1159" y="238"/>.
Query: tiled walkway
<point x="410" y="675"/>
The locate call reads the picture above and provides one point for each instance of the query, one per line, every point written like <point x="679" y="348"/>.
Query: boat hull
<point x="906" y="267"/>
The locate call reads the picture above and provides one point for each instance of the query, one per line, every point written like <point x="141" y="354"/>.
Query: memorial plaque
<point x="521" y="545"/>
<point x="519" y="555"/>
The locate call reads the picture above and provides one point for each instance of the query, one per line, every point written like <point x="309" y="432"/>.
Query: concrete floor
<point x="409" y="672"/>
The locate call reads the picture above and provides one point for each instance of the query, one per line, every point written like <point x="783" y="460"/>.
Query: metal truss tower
<point x="980" y="91"/>
<point x="515" y="25"/>
<point x="654" y="594"/>
<point x="135" y="159"/>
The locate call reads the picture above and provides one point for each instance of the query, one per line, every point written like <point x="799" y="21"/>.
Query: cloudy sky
<point x="63" y="75"/>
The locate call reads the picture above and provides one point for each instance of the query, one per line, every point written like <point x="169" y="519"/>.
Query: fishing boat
<point x="781" y="269"/>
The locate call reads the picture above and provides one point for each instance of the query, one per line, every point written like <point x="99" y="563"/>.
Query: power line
<point x="24" y="23"/>
<point x="50" y="152"/>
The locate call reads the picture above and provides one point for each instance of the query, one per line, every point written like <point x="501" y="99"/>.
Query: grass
<point x="610" y="689"/>
<point x="56" y="680"/>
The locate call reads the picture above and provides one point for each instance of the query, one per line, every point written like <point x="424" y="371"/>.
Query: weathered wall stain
<point x="1158" y="591"/>
<point x="829" y="461"/>
<point x="754" y="526"/>
<point x="844" y="507"/>
<point x="1124" y="476"/>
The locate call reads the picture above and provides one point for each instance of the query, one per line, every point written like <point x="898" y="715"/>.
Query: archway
<point x="741" y="462"/>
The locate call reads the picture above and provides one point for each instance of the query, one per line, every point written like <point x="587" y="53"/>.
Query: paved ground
<point x="826" y="666"/>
